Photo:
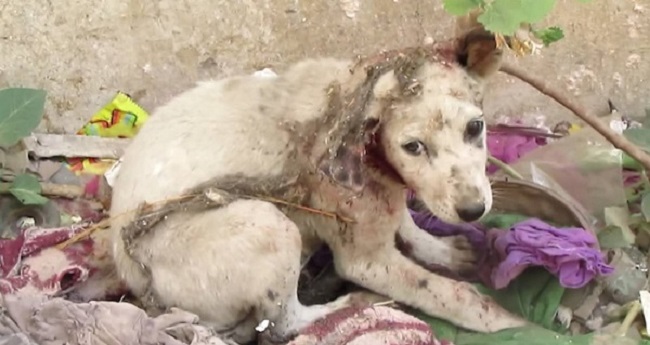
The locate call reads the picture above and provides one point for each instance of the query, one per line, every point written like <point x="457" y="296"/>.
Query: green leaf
<point x="536" y="10"/>
<point x="21" y="111"/>
<point x="506" y="16"/>
<point x="523" y="335"/>
<point x="27" y="189"/>
<point x="639" y="137"/>
<point x="502" y="16"/>
<point x="645" y="206"/>
<point x="460" y="7"/>
<point x="444" y="330"/>
<point x="502" y="220"/>
<point x="620" y="217"/>
<point x="630" y="163"/>
<point x="549" y="35"/>
<point x="535" y="295"/>
<point x="612" y="237"/>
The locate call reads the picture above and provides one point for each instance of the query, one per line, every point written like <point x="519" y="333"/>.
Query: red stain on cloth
<point x="30" y="261"/>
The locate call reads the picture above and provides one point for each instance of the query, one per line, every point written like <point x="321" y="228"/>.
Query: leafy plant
<point x="27" y="189"/>
<point x="639" y="194"/>
<point x="21" y="110"/>
<point x="535" y="295"/>
<point x="504" y="17"/>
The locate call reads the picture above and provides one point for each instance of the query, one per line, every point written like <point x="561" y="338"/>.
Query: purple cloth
<point x="568" y="253"/>
<point x="510" y="146"/>
<point x="474" y="232"/>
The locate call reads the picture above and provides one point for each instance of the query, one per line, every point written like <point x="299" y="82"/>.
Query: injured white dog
<point x="322" y="153"/>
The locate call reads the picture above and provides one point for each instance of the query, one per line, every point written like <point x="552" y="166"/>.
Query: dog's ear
<point x="477" y="49"/>
<point x="358" y="120"/>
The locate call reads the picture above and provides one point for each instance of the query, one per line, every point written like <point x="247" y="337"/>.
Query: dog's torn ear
<point x="354" y="119"/>
<point x="476" y="49"/>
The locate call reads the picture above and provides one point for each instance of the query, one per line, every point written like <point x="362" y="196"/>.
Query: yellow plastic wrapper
<point x="120" y="118"/>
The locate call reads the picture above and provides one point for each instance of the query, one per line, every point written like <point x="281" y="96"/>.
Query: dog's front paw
<point x="462" y="258"/>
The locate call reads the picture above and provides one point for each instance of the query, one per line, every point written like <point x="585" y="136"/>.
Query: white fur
<point x="225" y="263"/>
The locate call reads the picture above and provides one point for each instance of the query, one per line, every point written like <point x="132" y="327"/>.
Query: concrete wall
<point x="83" y="51"/>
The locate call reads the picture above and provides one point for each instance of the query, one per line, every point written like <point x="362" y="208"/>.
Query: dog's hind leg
<point x="234" y="266"/>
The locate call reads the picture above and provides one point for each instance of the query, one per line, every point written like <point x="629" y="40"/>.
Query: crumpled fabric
<point x="508" y="145"/>
<point x="31" y="263"/>
<point x="568" y="253"/>
<point x="21" y="269"/>
<point x="34" y="275"/>
<point x="32" y="319"/>
<point x="372" y="325"/>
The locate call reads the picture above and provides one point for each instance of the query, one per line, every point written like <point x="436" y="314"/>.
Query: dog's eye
<point x="474" y="128"/>
<point x="414" y="147"/>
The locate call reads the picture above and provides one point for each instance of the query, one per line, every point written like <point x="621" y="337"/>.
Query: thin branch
<point x="510" y="171"/>
<point x="561" y="97"/>
<point x="105" y="223"/>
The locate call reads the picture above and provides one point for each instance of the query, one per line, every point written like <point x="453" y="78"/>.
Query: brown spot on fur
<point x="485" y="305"/>
<point x="455" y="171"/>
<point x="405" y="247"/>
<point x="423" y="283"/>
<point x="272" y="295"/>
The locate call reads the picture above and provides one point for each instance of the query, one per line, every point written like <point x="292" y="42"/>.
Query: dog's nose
<point x="471" y="212"/>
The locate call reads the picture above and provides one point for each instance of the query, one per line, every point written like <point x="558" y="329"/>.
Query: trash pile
<point x="565" y="246"/>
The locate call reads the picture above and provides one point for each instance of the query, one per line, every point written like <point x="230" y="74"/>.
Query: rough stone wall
<point x="81" y="52"/>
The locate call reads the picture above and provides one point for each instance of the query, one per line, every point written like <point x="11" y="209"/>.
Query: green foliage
<point x="612" y="237"/>
<point x="27" y="189"/>
<point x="639" y="137"/>
<point x="525" y="335"/>
<point x="549" y="35"/>
<point x="535" y="295"/>
<point x="506" y="16"/>
<point x="502" y="220"/>
<point x="21" y="111"/>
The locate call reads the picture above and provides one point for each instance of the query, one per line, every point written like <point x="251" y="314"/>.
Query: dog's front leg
<point x="453" y="252"/>
<point x="386" y="271"/>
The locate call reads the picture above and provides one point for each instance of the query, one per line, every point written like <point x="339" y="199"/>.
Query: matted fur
<point x="326" y="134"/>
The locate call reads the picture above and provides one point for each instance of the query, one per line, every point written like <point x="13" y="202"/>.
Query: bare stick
<point x="50" y="189"/>
<point x="616" y="139"/>
<point x="510" y="171"/>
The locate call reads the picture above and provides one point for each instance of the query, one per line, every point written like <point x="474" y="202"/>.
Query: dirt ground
<point x="82" y="52"/>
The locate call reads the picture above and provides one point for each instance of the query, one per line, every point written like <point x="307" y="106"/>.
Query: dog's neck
<point x="375" y="159"/>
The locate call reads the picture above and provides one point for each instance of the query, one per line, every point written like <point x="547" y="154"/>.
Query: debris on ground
<point x="565" y="246"/>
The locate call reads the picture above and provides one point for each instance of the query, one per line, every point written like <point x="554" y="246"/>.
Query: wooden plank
<point x="56" y="145"/>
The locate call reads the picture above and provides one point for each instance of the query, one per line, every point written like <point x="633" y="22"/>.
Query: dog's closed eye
<point x="414" y="148"/>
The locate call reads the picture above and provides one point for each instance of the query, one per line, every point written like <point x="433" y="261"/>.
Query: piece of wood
<point x="56" y="145"/>
<point x="50" y="189"/>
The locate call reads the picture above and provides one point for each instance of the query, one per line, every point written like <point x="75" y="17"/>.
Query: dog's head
<point x="425" y="120"/>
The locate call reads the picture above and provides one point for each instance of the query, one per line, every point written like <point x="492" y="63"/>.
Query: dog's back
<point x="230" y="128"/>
